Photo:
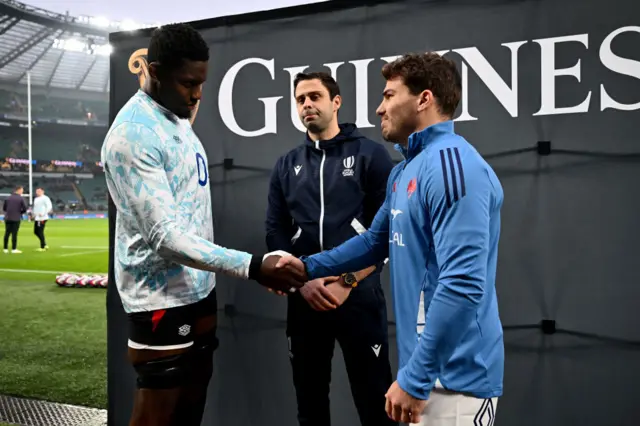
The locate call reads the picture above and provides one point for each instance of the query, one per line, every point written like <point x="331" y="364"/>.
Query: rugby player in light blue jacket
<point x="440" y="227"/>
<point x="165" y="258"/>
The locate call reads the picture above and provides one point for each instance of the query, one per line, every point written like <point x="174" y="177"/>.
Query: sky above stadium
<point x="161" y="11"/>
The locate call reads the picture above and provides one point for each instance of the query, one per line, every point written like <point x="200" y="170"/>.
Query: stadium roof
<point x="62" y="52"/>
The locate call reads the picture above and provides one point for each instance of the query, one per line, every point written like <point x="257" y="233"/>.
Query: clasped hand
<point x="281" y="280"/>
<point x="322" y="294"/>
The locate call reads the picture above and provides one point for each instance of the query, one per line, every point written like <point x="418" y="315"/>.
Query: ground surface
<point x="53" y="344"/>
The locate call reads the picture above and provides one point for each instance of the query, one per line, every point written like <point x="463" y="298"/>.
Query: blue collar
<point x="418" y="141"/>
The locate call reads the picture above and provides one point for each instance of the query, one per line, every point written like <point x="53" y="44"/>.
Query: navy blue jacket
<point x="322" y="192"/>
<point x="14" y="207"/>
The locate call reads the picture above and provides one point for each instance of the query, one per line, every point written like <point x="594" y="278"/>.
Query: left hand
<point x="402" y="407"/>
<point x="339" y="290"/>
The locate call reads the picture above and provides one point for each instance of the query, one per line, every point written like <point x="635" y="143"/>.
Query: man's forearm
<point x="196" y="252"/>
<point x="356" y="254"/>
<point x="364" y="273"/>
<point x="447" y="320"/>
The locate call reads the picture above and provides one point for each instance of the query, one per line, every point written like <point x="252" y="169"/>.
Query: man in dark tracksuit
<point x="322" y="193"/>
<point x="14" y="207"/>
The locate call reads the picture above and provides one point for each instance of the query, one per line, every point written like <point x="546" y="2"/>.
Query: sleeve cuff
<point x="254" y="266"/>
<point x="412" y="387"/>
<point x="307" y="268"/>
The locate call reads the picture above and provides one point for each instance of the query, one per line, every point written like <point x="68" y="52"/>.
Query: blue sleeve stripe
<point x="454" y="185"/>
<point x="463" y="191"/>
<point x="445" y="177"/>
<point x="457" y="176"/>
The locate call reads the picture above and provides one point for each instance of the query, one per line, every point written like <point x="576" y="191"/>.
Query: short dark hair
<point x="422" y="71"/>
<point x="19" y="187"/>
<point x="171" y="44"/>
<point x="324" y="77"/>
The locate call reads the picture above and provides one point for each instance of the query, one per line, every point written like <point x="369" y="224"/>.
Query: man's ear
<point x="337" y="102"/>
<point x="425" y="100"/>
<point x="153" y="71"/>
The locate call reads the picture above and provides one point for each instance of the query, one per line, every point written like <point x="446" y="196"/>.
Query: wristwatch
<point x="350" y="279"/>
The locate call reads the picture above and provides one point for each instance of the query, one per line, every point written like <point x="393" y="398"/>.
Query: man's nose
<point x="196" y="94"/>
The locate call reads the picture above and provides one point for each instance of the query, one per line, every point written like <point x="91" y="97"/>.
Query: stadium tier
<point x="66" y="61"/>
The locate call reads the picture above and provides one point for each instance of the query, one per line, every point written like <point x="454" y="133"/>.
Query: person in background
<point x="14" y="207"/>
<point x="42" y="207"/>
<point x="322" y="193"/>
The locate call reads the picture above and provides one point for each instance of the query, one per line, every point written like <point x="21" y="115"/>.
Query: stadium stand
<point x="67" y="61"/>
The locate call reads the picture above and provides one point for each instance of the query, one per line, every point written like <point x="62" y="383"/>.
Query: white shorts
<point x="447" y="408"/>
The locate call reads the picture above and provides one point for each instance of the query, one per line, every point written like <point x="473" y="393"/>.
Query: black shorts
<point x="167" y="329"/>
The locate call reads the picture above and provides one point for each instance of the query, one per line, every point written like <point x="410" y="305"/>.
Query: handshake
<point x="280" y="272"/>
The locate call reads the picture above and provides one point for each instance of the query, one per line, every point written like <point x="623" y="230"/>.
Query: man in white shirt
<point x="41" y="208"/>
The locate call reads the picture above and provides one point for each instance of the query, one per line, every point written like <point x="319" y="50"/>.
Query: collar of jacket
<point x="348" y="132"/>
<point x="154" y="104"/>
<point x="418" y="141"/>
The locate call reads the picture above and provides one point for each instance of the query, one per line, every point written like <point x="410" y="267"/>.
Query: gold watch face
<point x="350" y="279"/>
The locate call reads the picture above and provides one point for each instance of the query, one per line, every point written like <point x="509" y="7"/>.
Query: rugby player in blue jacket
<point x="440" y="227"/>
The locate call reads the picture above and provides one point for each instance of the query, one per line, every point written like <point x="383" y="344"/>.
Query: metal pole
<point x="30" y="139"/>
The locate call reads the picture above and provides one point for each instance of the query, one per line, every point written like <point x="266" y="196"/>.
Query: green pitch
<point x="53" y="344"/>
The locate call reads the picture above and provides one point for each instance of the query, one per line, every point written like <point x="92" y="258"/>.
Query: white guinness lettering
<point x="225" y="100"/>
<point x="549" y="73"/>
<point x="472" y="59"/>
<point x="618" y="65"/>
<point x="508" y="96"/>
<point x="295" y="119"/>
<point x="362" y="92"/>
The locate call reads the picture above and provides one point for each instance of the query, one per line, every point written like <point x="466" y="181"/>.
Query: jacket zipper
<point x="321" y="195"/>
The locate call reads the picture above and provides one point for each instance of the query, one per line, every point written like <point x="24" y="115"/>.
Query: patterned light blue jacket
<point x="156" y="172"/>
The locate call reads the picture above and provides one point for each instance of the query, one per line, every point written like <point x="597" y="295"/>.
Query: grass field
<point x="53" y="340"/>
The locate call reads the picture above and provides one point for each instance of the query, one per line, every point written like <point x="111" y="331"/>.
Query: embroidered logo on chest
<point x="411" y="188"/>
<point x="348" y="164"/>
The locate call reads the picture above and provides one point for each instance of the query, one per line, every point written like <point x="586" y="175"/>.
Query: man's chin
<point x="184" y="115"/>
<point x="313" y="128"/>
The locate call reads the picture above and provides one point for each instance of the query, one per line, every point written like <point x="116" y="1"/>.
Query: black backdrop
<point x="560" y="71"/>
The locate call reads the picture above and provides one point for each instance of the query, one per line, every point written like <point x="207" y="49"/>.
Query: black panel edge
<point x="261" y="16"/>
<point x="111" y="386"/>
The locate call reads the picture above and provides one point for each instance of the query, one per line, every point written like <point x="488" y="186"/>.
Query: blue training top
<point x="440" y="227"/>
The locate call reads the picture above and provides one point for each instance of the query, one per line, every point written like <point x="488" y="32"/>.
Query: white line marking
<point x="38" y="271"/>
<point x="82" y="252"/>
<point x="86" y="247"/>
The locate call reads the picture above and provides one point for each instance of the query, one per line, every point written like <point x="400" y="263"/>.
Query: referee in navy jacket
<point x="322" y="193"/>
